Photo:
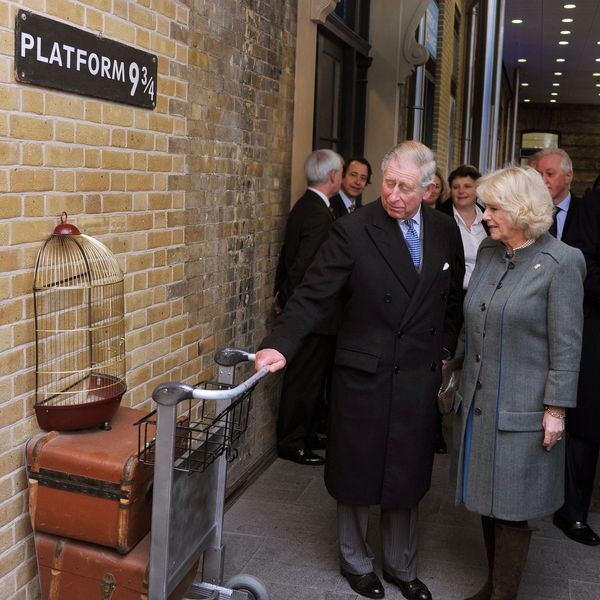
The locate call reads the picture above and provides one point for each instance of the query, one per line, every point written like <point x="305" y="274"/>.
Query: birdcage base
<point x="102" y="400"/>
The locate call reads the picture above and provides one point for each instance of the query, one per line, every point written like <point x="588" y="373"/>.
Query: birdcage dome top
<point x="70" y="259"/>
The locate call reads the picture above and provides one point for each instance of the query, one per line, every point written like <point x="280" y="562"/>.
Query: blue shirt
<point x="561" y="215"/>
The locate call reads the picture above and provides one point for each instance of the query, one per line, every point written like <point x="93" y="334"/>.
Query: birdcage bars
<point x="79" y="322"/>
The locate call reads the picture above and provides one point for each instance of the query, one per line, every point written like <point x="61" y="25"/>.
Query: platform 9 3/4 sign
<point x="52" y="54"/>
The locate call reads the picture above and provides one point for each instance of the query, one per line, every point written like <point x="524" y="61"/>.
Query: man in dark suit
<point x="397" y="268"/>
<point x="304" y="380"/>
<point x="577" y="223"/>
<point x="556" y="169"/>
<point x="355" y="178"/>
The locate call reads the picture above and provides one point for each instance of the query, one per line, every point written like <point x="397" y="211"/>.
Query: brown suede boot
<point x="488" y="526"/>
<point x="510" y="556"/>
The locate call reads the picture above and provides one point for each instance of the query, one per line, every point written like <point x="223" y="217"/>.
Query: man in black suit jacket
<point x="303" y="385"/>
<point x="580" y="227"/>
<point x="355" y="178"/>
<point x="398" y="268"/>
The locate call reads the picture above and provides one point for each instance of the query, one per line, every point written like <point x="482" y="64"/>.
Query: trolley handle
<point x="229" y="357"/>
<point x="171" y="393"/>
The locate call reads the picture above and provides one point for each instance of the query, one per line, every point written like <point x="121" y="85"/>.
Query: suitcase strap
<point x="79" y="484"/>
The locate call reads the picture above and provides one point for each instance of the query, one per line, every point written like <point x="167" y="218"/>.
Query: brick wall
<point x="191" y="197"/>
<point x="578" y="126"/>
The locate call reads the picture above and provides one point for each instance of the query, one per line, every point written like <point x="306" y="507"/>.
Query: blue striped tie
<point x="413" y="243"/>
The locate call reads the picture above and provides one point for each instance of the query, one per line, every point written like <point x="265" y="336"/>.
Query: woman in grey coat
<point x="522" y="342"/>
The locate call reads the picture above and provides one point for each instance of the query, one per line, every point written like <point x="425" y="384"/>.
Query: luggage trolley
<point x="190" y="456"/>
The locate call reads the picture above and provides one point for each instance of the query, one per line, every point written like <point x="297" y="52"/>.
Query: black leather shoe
<point x="302" y="457"/>
<point x="578" y="531"/>
<point x="413" y="590"/>
<point x="367" y="585"/>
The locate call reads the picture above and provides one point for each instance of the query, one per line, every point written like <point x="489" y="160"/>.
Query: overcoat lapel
<point x="387" y="237"/>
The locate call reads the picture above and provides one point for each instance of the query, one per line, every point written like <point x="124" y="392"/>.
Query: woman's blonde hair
<point x="521" y="192"/>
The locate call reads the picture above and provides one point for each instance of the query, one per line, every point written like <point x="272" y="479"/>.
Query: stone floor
<point x="282" y="531"/>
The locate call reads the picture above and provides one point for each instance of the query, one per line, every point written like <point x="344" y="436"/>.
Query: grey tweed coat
<point x="522" y="343"/>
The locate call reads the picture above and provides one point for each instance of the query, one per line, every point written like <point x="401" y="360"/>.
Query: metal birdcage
<point x="79" y="331"/>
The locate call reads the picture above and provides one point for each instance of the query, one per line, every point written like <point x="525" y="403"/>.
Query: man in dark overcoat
<point x="305" y="377"/>
<point x="397" y="267"/>
<point x="579" y="227"/>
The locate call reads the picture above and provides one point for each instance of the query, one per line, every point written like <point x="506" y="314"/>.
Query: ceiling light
<point x="598" y="60"/>
<point x="596" y="74"/>
<point x="522" y="60"/>
<point x="555" y="84"/>
<point x="524" y="84"/>
<point x="553" y="100"/>
<point x="528" y="100"/>
<point x="598" y="85"/>
<point x="567" y="32"/>
<point x="563" y="60"/>
<point x="563" y="43"/>
<point x="558" y="73"/>
<point x="569" y="6"/>
<point x="567" y="20"/>
<point x="517" y="21"/>
<point x="554" y="93"/>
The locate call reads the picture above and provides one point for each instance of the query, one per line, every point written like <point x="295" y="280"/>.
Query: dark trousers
<point x="303" y="390"/>
<point x="581" y="461"/>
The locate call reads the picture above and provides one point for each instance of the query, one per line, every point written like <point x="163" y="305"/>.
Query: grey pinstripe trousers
<point x="398" y="540"/>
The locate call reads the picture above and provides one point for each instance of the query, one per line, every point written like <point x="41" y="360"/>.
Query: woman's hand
<point x="554" y="426"/>
<point x="268" y="357"/>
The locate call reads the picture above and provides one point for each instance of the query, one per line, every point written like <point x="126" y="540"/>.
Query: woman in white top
<point x="467" y="214"/>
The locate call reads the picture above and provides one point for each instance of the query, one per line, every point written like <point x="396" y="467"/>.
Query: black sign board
<point x="55" y="55"/>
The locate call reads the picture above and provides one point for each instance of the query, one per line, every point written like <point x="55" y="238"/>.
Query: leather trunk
<point x="89" y="485"/>
<point x="72" y="570"/>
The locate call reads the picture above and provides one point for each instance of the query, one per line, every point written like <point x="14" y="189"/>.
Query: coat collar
<point x="387" y="237"/>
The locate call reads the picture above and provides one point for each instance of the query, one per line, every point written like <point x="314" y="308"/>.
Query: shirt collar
<point x="416" y="218"/>
<point x="564" y="205"/>
<point x="321" y="194"/>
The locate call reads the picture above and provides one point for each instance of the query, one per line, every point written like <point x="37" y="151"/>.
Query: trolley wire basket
<point x="202" y="437"/>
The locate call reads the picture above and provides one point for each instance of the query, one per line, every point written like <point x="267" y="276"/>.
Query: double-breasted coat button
<point x="443" y="295"/>
<point x="511" y="265"/>
<point x="478" y="385"/>
<point x="499" y="286"/>
<point x="396" y="369"/>
<point x="482" y="306"/>
<point x="399" y="334"/>
<point x="432" y="331"/>
<point x="387" y="298"/>
<point x="477" y="411"/>
<point x="478" y="358"/>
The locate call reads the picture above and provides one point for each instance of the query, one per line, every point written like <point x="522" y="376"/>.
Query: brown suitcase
<point x="89" y="485"/>
<point x="72" y="570"/>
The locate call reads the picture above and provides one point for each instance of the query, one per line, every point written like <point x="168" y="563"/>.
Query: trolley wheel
<point x="249" y="584"/>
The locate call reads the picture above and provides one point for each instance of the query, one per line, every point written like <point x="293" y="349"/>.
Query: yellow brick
<point x="160" y="123"/>
<point x="93" y="111"/>
<point x="65" y="181"/>
<point x="15" y="556"/>
<point x="140" y="181"/>
<point x="64" y="156"/>
<point x="94" y="20"/>
<point x="93" y="159"/>
<point x="118" y="138"/>
<point x="7" y="42"/>
<point x="25" y="231"/>
<point x="139" y="222"/>
<point x="33" y="206"/>
<point x="4" y="20"/>
<point x="11" y="412"/>
<point x="159" y="239"/>
<point x="140" y="161"/>
<point x="141" y="16"/>
<point x="119" y="30"/>
<point x="92" y="135"/>
<point x="28" y="180"/>
<point x="141" y="119"/>
<point x="64" y="106"/>
<point x="165" y="7"/>
<point x="118" y="182"/>
<point x="22" y="284"/>
<point x="72" y="204"/>
<point x="160" y="162"/>
<point x="9" y="153"/>
<point x="103" y="5"/>
<point x="140" y="140"/>
<point x="120" y="8"/>
<point x="65" y="132"/>
<point x="32" y="101"/>
<point x="66" y="9"/>
<point x="117" y="203"/>
<point x="114" y="114"/>
<point x="142" y="38"/>
<point x="9" y="97"/>
<point x="33" y="155"/>
<point x="24" y="382"/>
<point x="116" y="160"/>
<point x="92" y="181"/>
<point x="30" y="128"/>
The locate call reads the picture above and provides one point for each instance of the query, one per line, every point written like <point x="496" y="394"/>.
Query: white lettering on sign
<point x="69" y="57"/>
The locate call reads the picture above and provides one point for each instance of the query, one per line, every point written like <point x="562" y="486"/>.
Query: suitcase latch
<point x="109" y="585"/>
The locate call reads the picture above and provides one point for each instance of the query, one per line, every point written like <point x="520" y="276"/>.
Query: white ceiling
<point x="536" y="39"/>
